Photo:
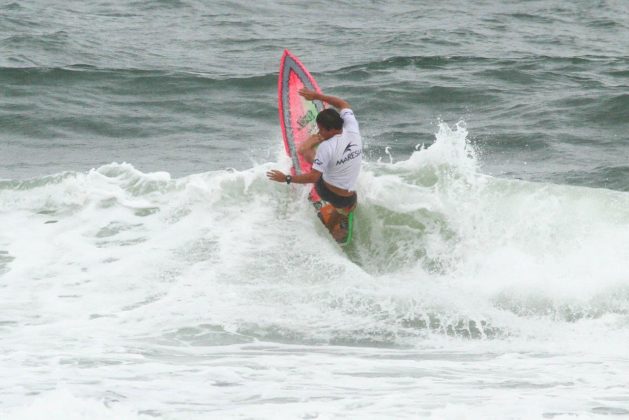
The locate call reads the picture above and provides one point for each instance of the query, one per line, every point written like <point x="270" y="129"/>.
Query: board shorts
<point x="336" y="200"/>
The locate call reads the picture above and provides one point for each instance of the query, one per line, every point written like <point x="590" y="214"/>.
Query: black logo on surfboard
<point x="306" y="119"/>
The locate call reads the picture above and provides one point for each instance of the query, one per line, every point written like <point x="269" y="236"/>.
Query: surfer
<point x="335" y="153"/>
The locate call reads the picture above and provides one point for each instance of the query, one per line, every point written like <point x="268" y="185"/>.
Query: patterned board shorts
<point x="338" y="201"/>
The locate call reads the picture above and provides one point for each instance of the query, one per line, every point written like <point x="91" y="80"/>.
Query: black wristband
<point x="288" y="179"/>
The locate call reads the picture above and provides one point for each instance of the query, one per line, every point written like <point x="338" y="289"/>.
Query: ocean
<point x="149" y="270"/>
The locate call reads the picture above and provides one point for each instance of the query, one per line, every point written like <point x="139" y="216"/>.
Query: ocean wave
<point x="80" y="72"/>
<point x="442" y="61"/>
<point x="57" y="39"/>
<point x="612" y="110"/>
<point x="439" y="249"/>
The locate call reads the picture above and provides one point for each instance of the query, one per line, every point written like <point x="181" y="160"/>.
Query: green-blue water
<point x="190" y="86"/>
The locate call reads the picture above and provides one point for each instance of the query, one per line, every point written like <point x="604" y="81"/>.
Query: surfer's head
<point x="329" y="123"/>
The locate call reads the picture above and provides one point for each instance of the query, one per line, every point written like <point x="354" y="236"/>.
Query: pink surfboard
<point x="297" y="115"/>
<point x="298" y="122"/>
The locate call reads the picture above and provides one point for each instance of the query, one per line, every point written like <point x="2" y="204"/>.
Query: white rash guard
<point x="338" y="158"/>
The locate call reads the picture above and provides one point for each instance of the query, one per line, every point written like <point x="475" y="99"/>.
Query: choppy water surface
<point x="488" y="277"/>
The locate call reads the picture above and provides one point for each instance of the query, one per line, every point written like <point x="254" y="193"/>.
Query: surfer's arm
<point x="310" y="142"/>
<point x="309" y="178"/>
<point x="335" y="101"/>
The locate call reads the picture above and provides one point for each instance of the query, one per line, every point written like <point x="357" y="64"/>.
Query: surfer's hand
<point x="310" y="95"/>
<point x="276" y="175"/>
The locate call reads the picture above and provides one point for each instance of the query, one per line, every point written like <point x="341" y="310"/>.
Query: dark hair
<point x="330" y="119"/>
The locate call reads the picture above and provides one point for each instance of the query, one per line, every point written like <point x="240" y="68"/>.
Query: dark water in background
<point x="190" y="86"/>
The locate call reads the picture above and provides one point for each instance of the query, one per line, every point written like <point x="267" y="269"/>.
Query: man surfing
<point x="335" y="153"/>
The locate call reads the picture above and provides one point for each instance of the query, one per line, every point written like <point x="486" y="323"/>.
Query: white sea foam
<point x="61" y="404"/>
<point x="221" y="295"/>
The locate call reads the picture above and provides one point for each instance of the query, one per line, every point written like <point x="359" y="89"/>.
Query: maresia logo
<point x="350" y="154"/>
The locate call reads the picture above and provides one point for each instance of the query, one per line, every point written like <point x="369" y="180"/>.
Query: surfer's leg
<point x="333" y="224"/>
<point x="334" y="219"/>
<point x="338" y="223"/>
<point x="335" y="215"/>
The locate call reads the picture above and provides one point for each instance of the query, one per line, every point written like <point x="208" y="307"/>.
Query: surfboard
<point x="297" y="120"/>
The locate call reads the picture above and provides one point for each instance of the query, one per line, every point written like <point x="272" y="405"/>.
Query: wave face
<point x="440" y="248"/>
<point x="110" y="269"/>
